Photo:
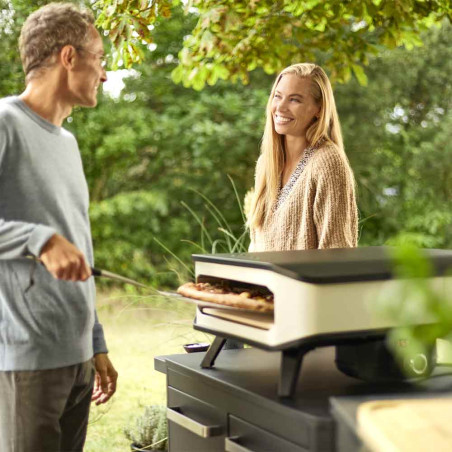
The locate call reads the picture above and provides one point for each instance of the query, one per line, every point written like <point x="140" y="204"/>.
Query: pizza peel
<point x="97" y="272"/>
<point x="104" y="274"/>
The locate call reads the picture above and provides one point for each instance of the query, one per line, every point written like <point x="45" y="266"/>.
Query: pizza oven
<point x="321" y="297"/>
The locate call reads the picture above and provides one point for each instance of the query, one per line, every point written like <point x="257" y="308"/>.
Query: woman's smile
<point x="282" y="119"/>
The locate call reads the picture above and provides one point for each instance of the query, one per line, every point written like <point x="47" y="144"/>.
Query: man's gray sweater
<point x="50" y="323"/>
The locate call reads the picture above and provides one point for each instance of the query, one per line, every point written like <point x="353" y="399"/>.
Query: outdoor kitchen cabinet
<point x="234" y="406"/>
<point x="196" y="425"/>
<point x="237" y="400"/>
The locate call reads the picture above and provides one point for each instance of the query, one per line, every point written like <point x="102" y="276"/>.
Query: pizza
<point x="258" y="299"/>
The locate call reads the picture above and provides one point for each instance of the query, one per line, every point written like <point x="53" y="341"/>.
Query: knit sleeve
<point x="335" y="212"/>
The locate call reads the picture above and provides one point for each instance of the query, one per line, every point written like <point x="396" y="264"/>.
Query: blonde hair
<point x="47" y="31"/>
<point x="325" y="129"/>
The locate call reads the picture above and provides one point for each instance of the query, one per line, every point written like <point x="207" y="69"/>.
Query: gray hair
<point x="48" y="30"/>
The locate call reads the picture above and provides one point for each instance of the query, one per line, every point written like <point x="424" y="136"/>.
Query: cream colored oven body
<point x="304" y="310"/>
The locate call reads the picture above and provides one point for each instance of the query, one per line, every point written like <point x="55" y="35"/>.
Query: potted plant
<point x="149" y="431"/>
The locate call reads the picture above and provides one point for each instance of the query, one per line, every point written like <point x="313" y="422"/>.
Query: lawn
<point x="137" y="328"/>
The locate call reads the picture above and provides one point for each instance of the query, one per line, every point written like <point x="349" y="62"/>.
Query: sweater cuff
<point x="99" y="344"/>
<point x="38" y="238"/>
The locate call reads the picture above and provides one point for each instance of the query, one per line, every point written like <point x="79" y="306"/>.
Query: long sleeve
<point x="18" y="238"/>
<point x="99" y="344"/>
<point x="335" y="211"/>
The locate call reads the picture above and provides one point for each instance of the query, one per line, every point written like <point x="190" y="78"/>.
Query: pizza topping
<point x="231" y="294"/>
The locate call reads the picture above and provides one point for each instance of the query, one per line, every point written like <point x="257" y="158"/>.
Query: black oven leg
<point x="291" y="360"/>
<point x="213" y="351"/>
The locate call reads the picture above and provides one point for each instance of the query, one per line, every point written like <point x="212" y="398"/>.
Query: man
<point x="48" y="325"/>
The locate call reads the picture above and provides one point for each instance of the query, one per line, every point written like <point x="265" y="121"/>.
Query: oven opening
<point x="255" y="302"/>
<point x="237" y="287"/>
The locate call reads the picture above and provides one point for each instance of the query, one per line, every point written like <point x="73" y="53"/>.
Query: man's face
<point x="88" y="72"/>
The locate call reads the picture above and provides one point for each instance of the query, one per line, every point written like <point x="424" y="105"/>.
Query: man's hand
<point x="63" y="260"/>
<point x="105" y="380"/>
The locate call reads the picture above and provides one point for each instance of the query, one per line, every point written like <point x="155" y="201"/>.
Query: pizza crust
<point x="190" y="290"/>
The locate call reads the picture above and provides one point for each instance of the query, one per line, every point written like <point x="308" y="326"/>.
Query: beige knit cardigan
<point x="319" y="212"/>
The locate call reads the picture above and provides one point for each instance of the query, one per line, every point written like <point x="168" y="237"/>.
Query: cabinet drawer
<point x="194" y="425"/>
<point x="246" y="437"/>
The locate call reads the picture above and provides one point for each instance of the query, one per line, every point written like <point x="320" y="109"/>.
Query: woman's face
<point x="293" y="107"/>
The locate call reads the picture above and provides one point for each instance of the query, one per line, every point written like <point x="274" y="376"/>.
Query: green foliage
<point x="123" y="227"/>
<point x="160" y="147"/>
<point x="176" y="145"/>
<point x="420" y="306"/>
<point x="128" y="25"/>
<point x="221" y="237"/>
<point x="229" y="242"/>
<point x="397" y="135"/>
<point x="231" y="37"/>
<point x="149" y="431"/>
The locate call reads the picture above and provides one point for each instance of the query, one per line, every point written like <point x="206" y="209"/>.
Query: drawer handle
<point x="204" y="431"/>
<point x="230" y="445"/>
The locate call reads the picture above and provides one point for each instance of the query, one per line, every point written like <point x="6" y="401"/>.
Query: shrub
<point x="149" y="431"/>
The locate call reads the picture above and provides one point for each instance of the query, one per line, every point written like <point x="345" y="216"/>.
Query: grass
<point x="137" y="329"/>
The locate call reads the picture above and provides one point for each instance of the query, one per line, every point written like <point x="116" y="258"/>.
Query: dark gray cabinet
<point x="234" y="406"/>
<point x="245" y="436"/>
<point x="194" y="424"/>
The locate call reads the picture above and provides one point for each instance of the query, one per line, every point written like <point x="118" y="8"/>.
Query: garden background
<point x="159" y="158"/>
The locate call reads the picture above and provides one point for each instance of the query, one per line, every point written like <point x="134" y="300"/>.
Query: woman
<point x="304" y="194"/>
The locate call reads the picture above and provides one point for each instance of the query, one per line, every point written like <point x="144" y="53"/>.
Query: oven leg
<point x="291" y="360"/>
<point x="213" y="351"/>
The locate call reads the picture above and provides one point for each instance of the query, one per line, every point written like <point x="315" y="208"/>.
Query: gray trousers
<point x="45" y="410"/>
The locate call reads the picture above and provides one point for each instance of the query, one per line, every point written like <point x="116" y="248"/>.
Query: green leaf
<point x="360" y="74"/>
